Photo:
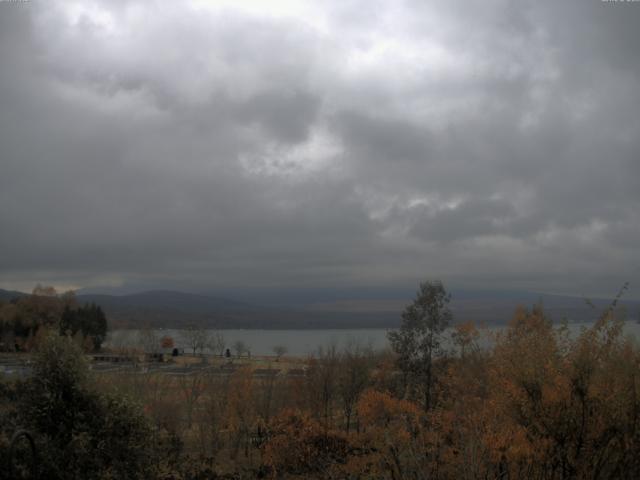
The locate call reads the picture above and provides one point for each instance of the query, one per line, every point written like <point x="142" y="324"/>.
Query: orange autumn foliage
<point x="167" y="342"/>
<point x="537" y="401"/>
<point x="300" y="445"/>
<point x="380" y="409"/>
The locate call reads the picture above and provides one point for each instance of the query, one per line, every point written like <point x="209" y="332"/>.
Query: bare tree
<point x="266" y="388"/>
<point x="121" y="341"/>
<point x="279" y="351"/>
<point x="322" y="381"/>
<point x="216" y="343"/>
<point x="240" y="409"/>
<point x="240" y="347"/>
<point x="353" y="377"/>
<point x="191" y="387"/>
<point x="149" y="340"/>
<point x="196" y="338"/>
<point x="211" y="417"/>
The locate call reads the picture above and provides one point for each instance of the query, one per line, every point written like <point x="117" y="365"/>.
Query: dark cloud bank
<point x="202" y="146"/>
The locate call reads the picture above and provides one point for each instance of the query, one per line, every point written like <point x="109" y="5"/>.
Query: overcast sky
<point x="199" y="145"/>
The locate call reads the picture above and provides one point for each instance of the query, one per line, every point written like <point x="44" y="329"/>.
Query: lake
<point x="306" y="342"/>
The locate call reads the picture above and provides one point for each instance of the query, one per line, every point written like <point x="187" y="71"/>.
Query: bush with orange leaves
<point x="379" y="409"/>
<point x="299" y="445"/>
<point x="392" y="443"/>
<point x="558" y="407"/>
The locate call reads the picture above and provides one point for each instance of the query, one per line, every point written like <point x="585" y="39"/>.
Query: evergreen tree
<point x="80" y="433"/>
<point x="89" y="320"/>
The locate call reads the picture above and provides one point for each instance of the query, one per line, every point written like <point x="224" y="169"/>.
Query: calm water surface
<point x="306" y="342"/>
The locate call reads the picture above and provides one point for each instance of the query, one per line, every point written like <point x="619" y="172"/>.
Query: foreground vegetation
<point x="538" y="404"/>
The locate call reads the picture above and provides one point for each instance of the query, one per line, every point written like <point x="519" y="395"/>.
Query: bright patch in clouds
<point x="320" y="153"/>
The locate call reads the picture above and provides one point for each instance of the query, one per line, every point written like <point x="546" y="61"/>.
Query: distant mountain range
<point x="169" y="308"/>
<point x="7" y="295"/>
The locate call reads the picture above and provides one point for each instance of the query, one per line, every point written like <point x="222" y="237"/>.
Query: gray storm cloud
<point x="207" y="144"/>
